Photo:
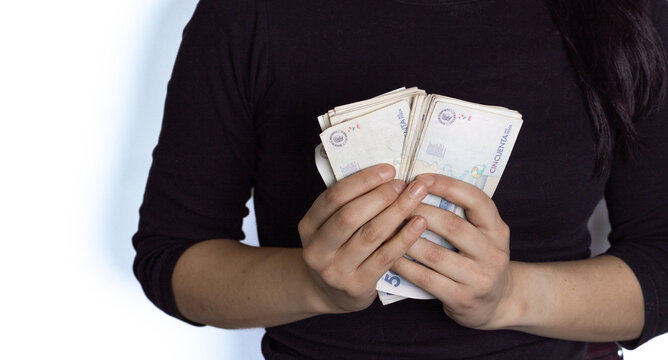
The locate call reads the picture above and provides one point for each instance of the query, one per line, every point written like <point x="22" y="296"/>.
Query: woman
<point x="251" y="77"/>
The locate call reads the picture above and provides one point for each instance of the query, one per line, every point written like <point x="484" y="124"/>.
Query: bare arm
<point x="231" y="285"/>
<point x="349" y="239"/>
<point x="591" y="300"/>
<point x="588" y="300"/>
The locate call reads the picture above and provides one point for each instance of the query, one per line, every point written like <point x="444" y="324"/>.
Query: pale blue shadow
<point x="139" y="134"/>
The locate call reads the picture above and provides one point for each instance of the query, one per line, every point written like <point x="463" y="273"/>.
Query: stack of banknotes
<point x="418" y="133"/>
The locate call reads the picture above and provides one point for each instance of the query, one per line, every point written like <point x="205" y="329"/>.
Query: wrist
<point x="316" y="299"/>
<point x="513" y="307"/>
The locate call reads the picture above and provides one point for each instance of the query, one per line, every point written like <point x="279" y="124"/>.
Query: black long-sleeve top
<point x="250" y="78"/>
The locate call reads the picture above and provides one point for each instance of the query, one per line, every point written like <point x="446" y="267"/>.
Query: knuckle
<point x="345" y="218"/>
<point x="500" y="258"/>
<point x="407" y="238"/>
<point x="423" y="210"/>
<point x="383" y="257"/>
<point x="369" y="233"/>
<point x="370" y="181"/>
<point x="504" y="230"/>
<point x="330" y="276"/>
<point x="388" y="195"/>
<point x="334" y="195"/>
<point x="485" y="284"/>
<point x="450" y="225"/>
<point x="496" y="258"/>
<point x="398" y="265"/>
<point x="302" y="228"/>
<point x="467" y="302"/>
<point x="311" y="258"/>
<point x="434" y="255"/>
<point x="307" y="254"/>
<point x="426" y="280"/>
<point x="477" y="201"/>
<point x="406" y="206"/>
<point x="463" y="300"/>
<point x="354" y="291"/>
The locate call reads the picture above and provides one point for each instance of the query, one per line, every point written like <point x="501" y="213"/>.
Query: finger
<point x="444" y="261"/>
<point x="386" y="255"/>
<point x="370" y="236"/>
<point x="349" y="218"/>
<point x="345" y="191"/>
<point x="480" y="209"/>
<point x="457" y="231"/>
<point x="432" y="282"/>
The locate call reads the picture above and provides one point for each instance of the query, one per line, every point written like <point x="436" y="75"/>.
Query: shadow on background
<point x="139" y="135"/>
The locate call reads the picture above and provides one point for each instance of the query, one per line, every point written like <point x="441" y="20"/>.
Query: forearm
<point x="227" y="284"/>
<point x="590" y="300"/>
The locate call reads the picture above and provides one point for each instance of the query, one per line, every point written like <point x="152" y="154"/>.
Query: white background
<point x="82" y="85"/>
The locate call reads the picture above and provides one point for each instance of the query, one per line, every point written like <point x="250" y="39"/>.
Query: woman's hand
<point x="474" y="284"/>
<point x="350" y="235"/>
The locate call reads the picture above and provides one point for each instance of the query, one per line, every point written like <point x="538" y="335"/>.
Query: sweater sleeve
<point x="637" y="198"/>
<point x="203" y="164"/>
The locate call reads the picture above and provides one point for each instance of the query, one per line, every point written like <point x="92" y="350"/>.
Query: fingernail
<point x="417" y="224"/>
<point x="399" y="185"/>
<point x="417" y="189"/>
<point x="387" y="172"/>
<point x="427" y="179"/>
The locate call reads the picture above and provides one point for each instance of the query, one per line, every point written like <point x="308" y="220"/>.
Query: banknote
<point x="323" y="166"/>
<point x="367" y="140"/>
<point x="355" y="110"/>
<point x="463" y="141"/>
<point x="387" y="298"/>
<point x="418" y="133"/>
<point x="350" y="111"/>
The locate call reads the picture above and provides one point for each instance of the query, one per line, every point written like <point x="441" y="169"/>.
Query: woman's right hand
<point x="351" y="234"/>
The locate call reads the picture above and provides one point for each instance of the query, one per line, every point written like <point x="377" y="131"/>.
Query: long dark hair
<point x="621" y="63"/>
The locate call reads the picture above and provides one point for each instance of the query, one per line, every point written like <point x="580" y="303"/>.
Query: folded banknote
<point x="418" y="133"/>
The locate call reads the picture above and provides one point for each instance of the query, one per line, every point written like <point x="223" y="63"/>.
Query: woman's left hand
<point x="474" y="284"/>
